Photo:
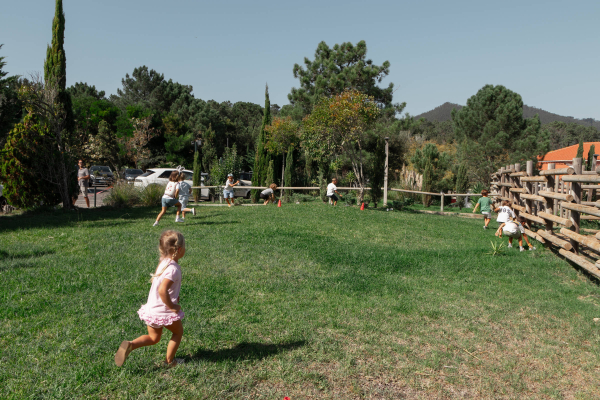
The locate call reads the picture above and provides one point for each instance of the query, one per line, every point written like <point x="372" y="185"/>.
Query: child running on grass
<point x="514" y="229"/>
<point x="184" y="196"/>
<point x="228" y="190"/>
<point x="162" y="309"/>
<point x="268" y="194"/>
<point x="170" y="198"/>
<point x="485" y="202"/>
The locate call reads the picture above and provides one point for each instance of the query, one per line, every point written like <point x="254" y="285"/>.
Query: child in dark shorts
<point x="268" y="194"/>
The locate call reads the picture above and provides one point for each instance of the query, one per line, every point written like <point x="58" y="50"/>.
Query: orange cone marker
<point x="362" y="207"/>
<point x="279" y="203"/>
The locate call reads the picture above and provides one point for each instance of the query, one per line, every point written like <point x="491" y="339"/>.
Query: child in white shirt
<point x="170" y="198"/>
<point x="184" y="195"/>
<point x="505" y="212"/>
<point x="332" y="191"/>
<point x="514" y="229"/>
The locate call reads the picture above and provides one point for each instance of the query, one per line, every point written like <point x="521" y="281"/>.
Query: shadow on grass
<point x="245" y="351"/>
<point x="4" y="255"/>
<point x="19" y="265"/>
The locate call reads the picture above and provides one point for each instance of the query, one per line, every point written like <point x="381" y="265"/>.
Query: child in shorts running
<point x="485" y="202"/>
<point x="170" y="198"/>
<point x="184" y="195"/>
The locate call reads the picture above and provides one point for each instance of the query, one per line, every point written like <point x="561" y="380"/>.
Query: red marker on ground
<point x="279" y="203"/>
<point x="362" y="207"/>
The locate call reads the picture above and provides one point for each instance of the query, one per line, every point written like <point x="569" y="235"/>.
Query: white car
<point x="160" y="176"/>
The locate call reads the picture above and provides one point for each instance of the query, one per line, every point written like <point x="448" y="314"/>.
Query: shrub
<point x="151" y="195"/>
<point x="123" y="195"/>
<point x="301" y="198"/>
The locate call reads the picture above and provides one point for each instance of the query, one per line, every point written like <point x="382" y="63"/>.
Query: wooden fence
<point x="554" y="201"/>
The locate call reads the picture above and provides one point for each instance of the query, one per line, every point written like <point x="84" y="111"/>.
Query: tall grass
<point x="151" y="195"/>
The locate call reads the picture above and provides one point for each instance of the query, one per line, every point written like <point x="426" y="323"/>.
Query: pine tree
<point x="580" y="149"/>
<point x="427" y="183"/>
<point x="262" y="158"/>
<point x="378" y="173"/>
<point x="590" y="160"/>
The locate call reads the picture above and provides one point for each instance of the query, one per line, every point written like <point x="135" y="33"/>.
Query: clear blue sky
<point x="547" y="51"/>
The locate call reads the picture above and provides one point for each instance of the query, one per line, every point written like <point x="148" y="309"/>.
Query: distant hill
<point x="442" y="113"/>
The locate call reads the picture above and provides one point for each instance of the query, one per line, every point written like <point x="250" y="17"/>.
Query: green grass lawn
<point x="302" y="301"/>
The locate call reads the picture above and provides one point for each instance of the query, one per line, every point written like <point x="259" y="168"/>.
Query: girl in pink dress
<point x="162" y="309"/>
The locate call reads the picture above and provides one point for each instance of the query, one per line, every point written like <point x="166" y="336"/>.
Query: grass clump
<point x="123" y="195"/>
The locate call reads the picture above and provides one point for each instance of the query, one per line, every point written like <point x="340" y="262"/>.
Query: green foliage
<point x="209" y="151"/>
<point x="563" y="134"/>
<point x="498" y="249"/>
<point x="378" y="172"/>
<point x="492" y="131"/>
<point x="108" y="147"/>
<point x="151" y="195"/>
<point x="11" y="108"/>
<point x="590" y="158"/>
<point x="270" y="174"/>
<point x="230" y="163"/>
<point x="580" y="149"/>
<point x="428" y="173"/>
<point x="197" y="178"/>
<point x="289" y="174"/>
<point x="439" y="162"/>
<point x="19" y="163"/>
<point x="262" y="157"/>
<point x="337" y="69"/>
<point x="122" y="195"/>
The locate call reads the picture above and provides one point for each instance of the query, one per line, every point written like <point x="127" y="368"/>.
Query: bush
<point x="301" y="198"/>
<point x="123" y="195"/>
<point x="151" y="195"/>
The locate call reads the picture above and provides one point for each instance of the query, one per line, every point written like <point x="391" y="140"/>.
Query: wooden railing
<point x="553" y="199"/>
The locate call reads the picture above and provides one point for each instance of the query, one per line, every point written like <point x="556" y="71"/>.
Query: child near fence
<point x="514" y="229"/>
<point x="162" y="309"/>
<point x="505" y="212"/>
<point x="485" y="202"/>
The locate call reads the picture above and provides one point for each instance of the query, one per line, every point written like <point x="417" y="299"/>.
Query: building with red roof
<point x="564" y="157"/>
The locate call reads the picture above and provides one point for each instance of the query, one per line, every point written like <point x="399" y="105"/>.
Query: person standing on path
<point x="83" y="180"/>
<point x="485" y="202"/>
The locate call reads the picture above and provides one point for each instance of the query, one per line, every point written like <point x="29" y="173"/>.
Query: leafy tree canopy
<point x="334" y="70"/>
<point x="81" y="90"/>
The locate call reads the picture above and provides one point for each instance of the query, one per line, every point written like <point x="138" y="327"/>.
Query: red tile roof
<point x="568" y="153"/>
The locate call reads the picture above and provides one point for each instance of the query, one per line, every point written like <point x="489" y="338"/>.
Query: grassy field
<point x="306" y="301"/>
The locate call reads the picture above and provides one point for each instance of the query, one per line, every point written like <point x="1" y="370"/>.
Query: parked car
<point x="129" y="174"/>
<point x="160" y="176"/>
<point x="101" y="175"/>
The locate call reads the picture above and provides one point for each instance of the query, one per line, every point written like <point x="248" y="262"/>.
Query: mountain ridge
<point x="442" y="113"/>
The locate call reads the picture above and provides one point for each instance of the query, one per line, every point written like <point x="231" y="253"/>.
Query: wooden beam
<point x="590" y="217"/>
<point x="581" y="208"/>
<point x="534" y="179"/>
<point x="590" y="187"/>
<point x="521" y="173"/>
<point x="506" y="184"/>
<point x="533" y="197"/>
<point x="581" y="178"/>
<point x="582" y="262"/>
<point x="534" y="236"/>
<point x="558" y="171"/>
<point x="519" y="208"/>
<point x="532" y="218"/>
<point x="557" y="196"/>
<point x="518" y="190"/>
<point x="589" y="241"/>
<point x="507" y="171"/>
<point x="554" y="218"/>
<point x="554" y="240"/>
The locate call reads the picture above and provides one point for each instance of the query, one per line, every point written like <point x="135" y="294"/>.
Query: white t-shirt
<point x="331" y="188"/>
<point x="504" y="214"/>
<point x="228" y="186"/>
<point x="170" y="190"/>
<point x="184" y="189"/>
<point x="510" y="227"/>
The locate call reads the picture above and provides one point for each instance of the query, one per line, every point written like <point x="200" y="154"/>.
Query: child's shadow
<point x="244" y="351"/>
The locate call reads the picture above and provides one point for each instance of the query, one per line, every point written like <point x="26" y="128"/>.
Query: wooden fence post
<point x="550" y="201"/>
<point x="576" y="192"/>
<point x="529" y="169"/>
<point x="442" y="201"/>
<point x="502" y="180"/>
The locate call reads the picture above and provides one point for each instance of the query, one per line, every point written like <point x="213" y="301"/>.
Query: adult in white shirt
<point x="332" y="191"/>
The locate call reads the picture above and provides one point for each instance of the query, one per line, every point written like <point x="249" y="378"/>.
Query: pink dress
<point x="155" y="313"/>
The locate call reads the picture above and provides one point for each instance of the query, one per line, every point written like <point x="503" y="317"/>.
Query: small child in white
<point x="228" y="190"/>
<point x="184" y="196"/>
<point x="332" y="191"/>
<point x="514" y="229"/>
<point x="505" y="212"/>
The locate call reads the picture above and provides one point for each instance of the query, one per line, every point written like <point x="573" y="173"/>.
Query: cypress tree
<point x="378" y="173"/>
<point x="289" y="171"/>
<point x="580" y="149"/>
<point x="262" y="158"/>
<point x="590" y="160"/>
<point x="462" y="183"/>
<point x="427" y="183"/>
<point x="197" y="178"/>
<point x="269" y="173"/>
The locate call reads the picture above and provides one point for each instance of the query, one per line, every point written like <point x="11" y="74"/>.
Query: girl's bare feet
<point x="123" y="352"/>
